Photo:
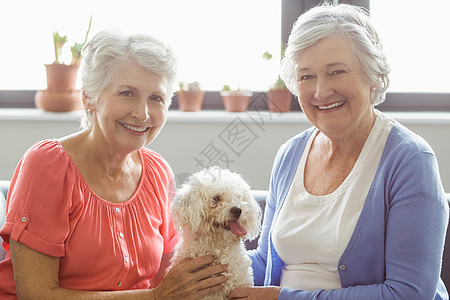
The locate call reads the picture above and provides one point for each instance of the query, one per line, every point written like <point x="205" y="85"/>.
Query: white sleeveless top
<point x="311" y="232"/>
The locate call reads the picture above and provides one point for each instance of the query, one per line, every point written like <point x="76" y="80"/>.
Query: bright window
<point x="218" y="42"/>
<point x="417" y="43"/>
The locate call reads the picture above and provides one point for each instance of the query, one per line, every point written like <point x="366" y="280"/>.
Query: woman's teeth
<point x="134" y="128"/>
<point x="331" y="105"/>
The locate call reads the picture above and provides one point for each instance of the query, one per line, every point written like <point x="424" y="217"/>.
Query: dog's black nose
<point x="236" y="212"/>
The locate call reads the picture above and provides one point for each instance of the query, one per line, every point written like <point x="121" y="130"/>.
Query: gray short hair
<point x="108" y="47"/>
<point x="350" y="22"/>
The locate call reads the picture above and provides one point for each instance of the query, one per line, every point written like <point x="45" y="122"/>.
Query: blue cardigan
<point x="395" y="251"/>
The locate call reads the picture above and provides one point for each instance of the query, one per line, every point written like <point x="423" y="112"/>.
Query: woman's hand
<point x="255" y="293"/>
<point x="192" y="279"/>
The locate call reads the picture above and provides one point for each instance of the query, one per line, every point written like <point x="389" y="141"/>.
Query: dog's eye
<point x="216" y="198"/>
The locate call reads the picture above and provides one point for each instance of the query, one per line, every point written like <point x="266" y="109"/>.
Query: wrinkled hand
<point x="255" y="293"/>
<point x="192" y="279"/>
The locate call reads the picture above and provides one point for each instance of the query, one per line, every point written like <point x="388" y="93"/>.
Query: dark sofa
<point x="260" y="196"/>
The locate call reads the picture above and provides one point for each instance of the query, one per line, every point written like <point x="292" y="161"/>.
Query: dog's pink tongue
<point x="237" y="228"/>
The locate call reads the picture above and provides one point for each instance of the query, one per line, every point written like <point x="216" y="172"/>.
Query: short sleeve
<point x="40" y="199"/>
<point x="168" y="229"/>
<point x="161" y="176"/>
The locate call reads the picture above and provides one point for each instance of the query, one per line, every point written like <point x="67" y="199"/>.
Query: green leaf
<point x="226" y="88"/>
<point x="58" y="42"/>
<point x="77" y="47"/>
<point x="279" y="84"/>
<point x="267" y="55"/>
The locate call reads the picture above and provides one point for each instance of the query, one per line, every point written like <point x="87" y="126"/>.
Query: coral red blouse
<point x="101" y="245"/>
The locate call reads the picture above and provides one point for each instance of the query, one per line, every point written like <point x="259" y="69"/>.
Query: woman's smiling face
<point x="131" y="111"/>
<point x="333" y="90"/>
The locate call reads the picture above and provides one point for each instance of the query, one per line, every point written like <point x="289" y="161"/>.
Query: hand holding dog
<point x="191" y="279"/>
<point x="255" y="293"/>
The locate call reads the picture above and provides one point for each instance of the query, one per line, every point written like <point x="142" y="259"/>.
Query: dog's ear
<point x="187" y="209"/>
<point x="253" y="217"/>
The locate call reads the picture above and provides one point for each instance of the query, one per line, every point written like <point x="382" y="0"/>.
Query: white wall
<point x="243" y="142"/>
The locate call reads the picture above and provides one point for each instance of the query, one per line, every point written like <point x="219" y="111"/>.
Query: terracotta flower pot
<point x="58" y="101"/>
<point x="236" y="101"/>
<point x="279" y="100"/>
<point x="61" y="78"/>
<point x="190" y="100"/>
<point x="61" y="94"/>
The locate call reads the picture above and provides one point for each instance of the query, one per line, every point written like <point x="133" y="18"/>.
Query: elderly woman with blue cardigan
<point x="356" y="208"/>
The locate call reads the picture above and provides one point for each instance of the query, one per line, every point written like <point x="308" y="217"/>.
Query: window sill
<point x="216" y="116"/>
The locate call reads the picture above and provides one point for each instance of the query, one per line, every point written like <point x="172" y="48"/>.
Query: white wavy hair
<point x="350" y="22"/>
<point x="102" y="53"/>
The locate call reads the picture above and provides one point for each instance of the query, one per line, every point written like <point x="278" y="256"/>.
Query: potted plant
<point x="190" y="96"/>
<point x="235" y="100"/>
<point x="279" y="98"/>
<point x="61" y="94"/>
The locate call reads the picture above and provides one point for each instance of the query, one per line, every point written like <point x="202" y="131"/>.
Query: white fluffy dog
<point x="214" y="213"/>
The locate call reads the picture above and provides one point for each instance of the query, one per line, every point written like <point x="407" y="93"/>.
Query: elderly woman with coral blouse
<point x="88" y="214"/>
<point x="356" y="209"/>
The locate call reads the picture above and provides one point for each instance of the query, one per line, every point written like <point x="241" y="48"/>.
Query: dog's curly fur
<point x="201" y="211"/>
